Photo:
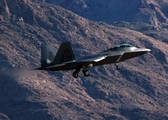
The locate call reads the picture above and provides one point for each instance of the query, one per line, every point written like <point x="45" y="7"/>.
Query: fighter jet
<point x="65" y="59"/>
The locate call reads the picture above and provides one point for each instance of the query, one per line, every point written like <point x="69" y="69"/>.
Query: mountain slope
<point x="138" y="91"/>
<point x="147" y="11"/>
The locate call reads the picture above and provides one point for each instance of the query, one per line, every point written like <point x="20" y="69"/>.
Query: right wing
<point x="93" y="59"/>
<point x="85" y="61"/>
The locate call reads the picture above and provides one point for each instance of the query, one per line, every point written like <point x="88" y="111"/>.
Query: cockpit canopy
<point x="121" y="46"/>
<point x="124" y="45"/>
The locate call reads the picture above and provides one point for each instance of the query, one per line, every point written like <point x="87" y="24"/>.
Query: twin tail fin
<point x="49" y="55"/>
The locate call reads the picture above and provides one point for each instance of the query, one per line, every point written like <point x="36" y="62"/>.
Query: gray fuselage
<point x="113" y="55"/>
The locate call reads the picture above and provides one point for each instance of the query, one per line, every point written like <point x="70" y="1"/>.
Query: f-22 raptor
<point x="65" y="59"/>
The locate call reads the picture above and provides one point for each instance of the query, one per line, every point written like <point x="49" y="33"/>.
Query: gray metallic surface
<point x="65" y="59"/>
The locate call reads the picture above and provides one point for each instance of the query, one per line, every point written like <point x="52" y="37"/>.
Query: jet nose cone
<point x="143" y="49"/>
<point x="147" y="50"/>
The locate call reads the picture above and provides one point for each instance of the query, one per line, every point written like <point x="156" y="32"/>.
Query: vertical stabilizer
<point x="64" y="54"/>
<point x="47" y="55"/>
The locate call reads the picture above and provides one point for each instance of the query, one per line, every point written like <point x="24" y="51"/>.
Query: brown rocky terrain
<point x="149" y="11"/>
<point x="138" y="91"/>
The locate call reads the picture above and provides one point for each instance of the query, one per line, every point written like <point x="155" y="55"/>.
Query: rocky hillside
<point x="147" y="11"/>
<point x="138" y="91"/>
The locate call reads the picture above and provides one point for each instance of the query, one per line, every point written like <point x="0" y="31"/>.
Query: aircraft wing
<point x="92" y="59"/>
<point x="86" y="61"/>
